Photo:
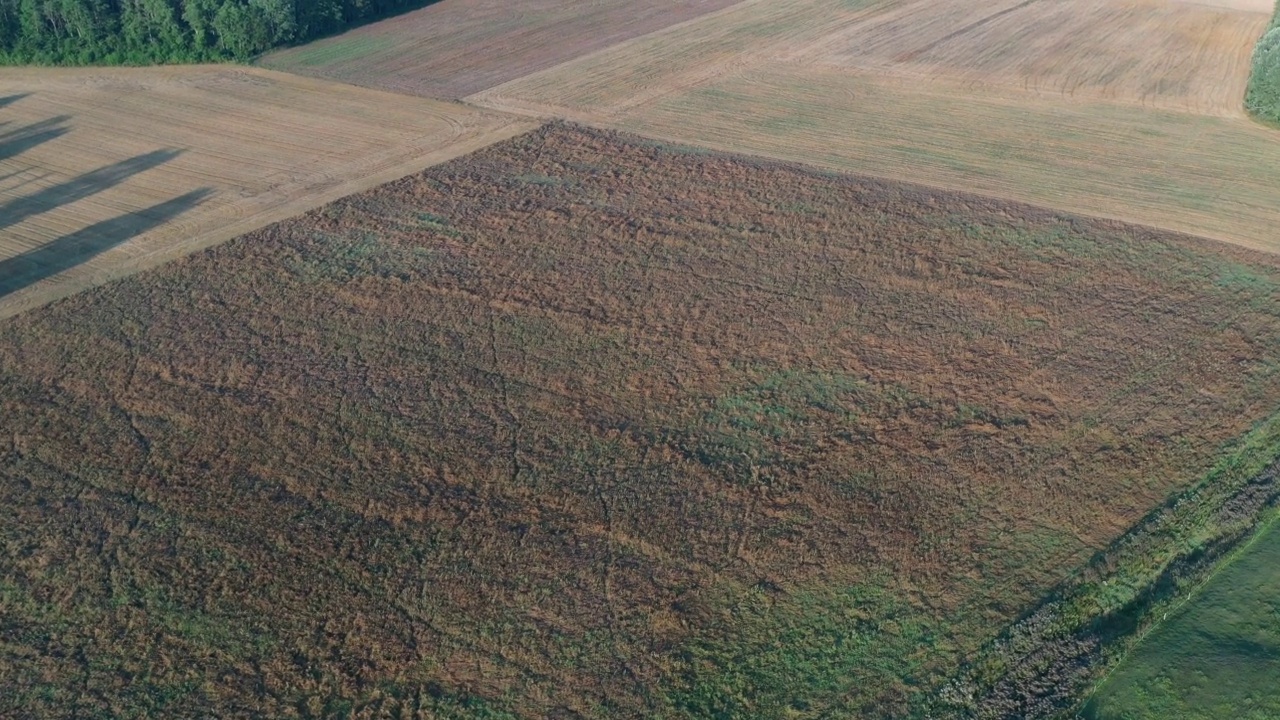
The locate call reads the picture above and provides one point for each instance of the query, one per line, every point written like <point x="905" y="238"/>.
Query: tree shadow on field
<point x="70" y="250"/>
<point x="8" y="100"/>
<point x="20" y="140"/>
<point x="95" y="181"/>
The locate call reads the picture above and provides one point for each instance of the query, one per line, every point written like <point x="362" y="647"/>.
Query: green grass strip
<point x="1215" y="654"/>
<point x="1047" y="663"/>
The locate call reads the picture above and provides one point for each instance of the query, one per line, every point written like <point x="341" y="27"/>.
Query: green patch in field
<point x="801" y="654"/>
<point x="745" y="430"/>
<point x="719" y="94"/>
<point x="1218" y="656"/>
<point x="1048" y="244"/>
<point x="436" y="223"/>
<point x="338" y="50"/>
<point x="1163" y="185"/>
<point x="338" y="257"/>
<point x="1235" y="276"/>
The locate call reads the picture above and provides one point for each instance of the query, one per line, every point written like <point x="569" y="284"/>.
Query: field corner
<point x="1051" y="662"/>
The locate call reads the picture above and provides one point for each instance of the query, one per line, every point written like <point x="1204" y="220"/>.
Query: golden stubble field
<point x="448" y="50"/>
<point x="105" y="172"/>
<point x="1131" y="110"/>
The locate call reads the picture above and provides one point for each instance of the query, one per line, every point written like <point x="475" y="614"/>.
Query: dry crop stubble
<point x="996" y="97"/>
<point x="451" y="49"/>
<point x="1209" y="176"/>
<point x="125" y="169"/>
<point x="1156" y="53"/>
<point x="631" y="74"/>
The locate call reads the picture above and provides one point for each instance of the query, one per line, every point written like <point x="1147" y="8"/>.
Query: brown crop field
<point x="104" y="172"/>
<point x="1131" y="110"/>
<point x="584" y="426"/>
<point x="454" y="48"/>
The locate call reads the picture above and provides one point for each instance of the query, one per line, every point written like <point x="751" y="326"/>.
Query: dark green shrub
<point x="1263" y="96"/>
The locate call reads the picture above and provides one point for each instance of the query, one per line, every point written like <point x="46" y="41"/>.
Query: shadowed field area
<point x="21" y="139"/>
<point x="87" y="154"/>
<point x="81" y="246"/>
<point x="583" y="426"/>
<point x="50" y="197"/>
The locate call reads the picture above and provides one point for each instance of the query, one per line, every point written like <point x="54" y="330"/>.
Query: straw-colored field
<point x="104" y="172"/>
<point x="457" y="47"/>
<point x="1130" y="110"/>
<point x="1210" y="176"/>
<point x="1160" y="53"/>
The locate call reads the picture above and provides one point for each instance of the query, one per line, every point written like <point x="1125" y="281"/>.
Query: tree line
<point x="1263" y="96"/>
<point x="77" y="32"/>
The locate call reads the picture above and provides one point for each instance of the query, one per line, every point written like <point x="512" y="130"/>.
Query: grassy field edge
<point x="1116" y="688"/>
<point x="1262" y="99"/>
<point x="1047" y="664"/>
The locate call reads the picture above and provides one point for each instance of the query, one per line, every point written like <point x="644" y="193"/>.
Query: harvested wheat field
<point x="1157" y="53"/>
<point x="1215" y="177"/>
<point x="582" y="426"/>
<point x="454" y="48"/>
<point x="104" y="172"/>
<point x="1130" y="110"/>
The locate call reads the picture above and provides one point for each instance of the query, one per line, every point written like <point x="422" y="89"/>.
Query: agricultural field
<point x="1130" y="110"/>
<point x="1216" y="657"/>
<point x="104" y="172"/>
<point x="451" y="49"/>
<point x="584" y="424"/>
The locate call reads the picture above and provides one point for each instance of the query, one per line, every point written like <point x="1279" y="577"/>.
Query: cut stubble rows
<point x="1145" y="126"/>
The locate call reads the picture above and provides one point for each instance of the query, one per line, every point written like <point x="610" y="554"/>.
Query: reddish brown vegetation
<point x="531" y="425"/>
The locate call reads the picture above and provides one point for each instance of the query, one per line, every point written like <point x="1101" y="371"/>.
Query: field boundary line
<point x="1267" y="525"/>
<point x="392" y="166"/>
<point x="479" y="96"/>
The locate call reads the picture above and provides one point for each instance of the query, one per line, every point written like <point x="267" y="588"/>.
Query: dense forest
<point x="72" y="32"/>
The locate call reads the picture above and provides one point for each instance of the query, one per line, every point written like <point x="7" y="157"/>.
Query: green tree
<point x="242" y="29"/>
<point x="139" y="31"/>
<point x="151" y="29"/>
<point x="198" y="16"/>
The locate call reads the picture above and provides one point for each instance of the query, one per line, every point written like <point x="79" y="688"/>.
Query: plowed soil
<point x="583" y="426"/>
<point x="104" y="172"/>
